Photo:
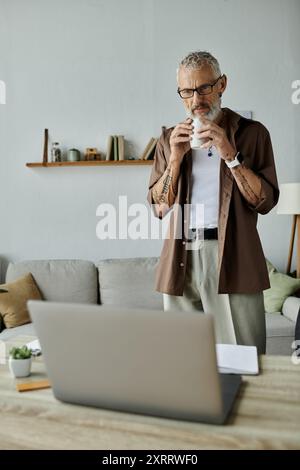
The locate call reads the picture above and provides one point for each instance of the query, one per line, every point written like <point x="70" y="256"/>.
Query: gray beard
<point x="212" y="113"/>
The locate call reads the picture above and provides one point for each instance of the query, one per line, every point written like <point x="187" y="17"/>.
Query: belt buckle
<point x="190" y="236"/>
<point x="195" y="234"/>
<point x="200" y="233"/>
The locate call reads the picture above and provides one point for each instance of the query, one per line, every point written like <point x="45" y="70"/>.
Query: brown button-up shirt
<point x="241" y="262"/>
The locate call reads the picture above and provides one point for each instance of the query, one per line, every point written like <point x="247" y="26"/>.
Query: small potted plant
<point x="20" y="361"/>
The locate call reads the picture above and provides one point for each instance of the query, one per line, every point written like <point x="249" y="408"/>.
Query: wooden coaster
<point x="27" y="386"/>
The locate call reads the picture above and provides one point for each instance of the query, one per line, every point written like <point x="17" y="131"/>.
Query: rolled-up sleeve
<point x="264" y="167"/>
<point x="158" y="168"/>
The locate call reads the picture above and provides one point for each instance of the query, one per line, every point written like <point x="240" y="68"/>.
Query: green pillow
<point x="282" y="286"/>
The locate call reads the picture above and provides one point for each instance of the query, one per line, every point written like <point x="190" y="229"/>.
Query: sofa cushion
<point x="280" y="334"/>
<point x="291" y="308"/>
<point x="278" y="325"/>
<point x="129" y="282"/>
<point x="282" y="286"/>
<point x="60" y="280"/>
<point x="13" y="303"/>
<point x="24" y="330"/>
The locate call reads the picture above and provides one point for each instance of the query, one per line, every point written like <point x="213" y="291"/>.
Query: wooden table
<point x="266" y="415"/>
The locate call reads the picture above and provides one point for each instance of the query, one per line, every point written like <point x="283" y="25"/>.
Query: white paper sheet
<point x="236" y="359"/>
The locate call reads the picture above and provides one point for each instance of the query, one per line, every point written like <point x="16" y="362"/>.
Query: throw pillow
<point x="282" y="286"/>
<point x="13" y="308"/>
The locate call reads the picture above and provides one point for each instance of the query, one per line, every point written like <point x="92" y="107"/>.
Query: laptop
<point x="135" y="360"/>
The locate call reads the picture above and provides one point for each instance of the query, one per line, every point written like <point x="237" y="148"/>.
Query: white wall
<point x="89" y="68"/>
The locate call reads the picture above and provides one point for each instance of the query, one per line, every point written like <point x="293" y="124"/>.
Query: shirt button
<point x="181" y="264"/>
<point x="183" y="243"/>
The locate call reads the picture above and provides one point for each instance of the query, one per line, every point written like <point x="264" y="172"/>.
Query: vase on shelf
<point x="73" y="155"/>
<point x="55" y="152"/>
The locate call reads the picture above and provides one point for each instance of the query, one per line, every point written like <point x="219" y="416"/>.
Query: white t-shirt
<point x="205" y="188"/>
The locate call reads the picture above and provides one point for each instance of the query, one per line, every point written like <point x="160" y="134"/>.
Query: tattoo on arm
<point x="158" y="198"/>
<point x="162" y="191"/>
<point x="167" y="183"/>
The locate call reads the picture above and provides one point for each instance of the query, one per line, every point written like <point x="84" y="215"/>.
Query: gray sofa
<point x="125" y="282"/>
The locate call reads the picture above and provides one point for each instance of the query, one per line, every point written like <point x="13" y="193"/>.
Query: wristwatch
<point x="238" y="159"/>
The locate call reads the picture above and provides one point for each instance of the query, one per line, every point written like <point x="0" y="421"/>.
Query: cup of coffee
<point x="196" y="142"/>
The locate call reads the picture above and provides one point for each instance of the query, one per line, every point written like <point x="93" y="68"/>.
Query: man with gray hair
<point x="217" y="265"/>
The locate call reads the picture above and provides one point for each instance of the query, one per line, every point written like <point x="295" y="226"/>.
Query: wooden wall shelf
<point x="91" y="163"/>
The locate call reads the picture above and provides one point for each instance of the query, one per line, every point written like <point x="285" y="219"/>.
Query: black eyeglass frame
<point x="211" y="85"/>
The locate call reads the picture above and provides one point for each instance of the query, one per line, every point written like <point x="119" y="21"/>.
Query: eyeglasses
<point x="201" y="90"/>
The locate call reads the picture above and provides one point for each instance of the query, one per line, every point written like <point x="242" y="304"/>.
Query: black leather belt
<point x="202" y="234"/>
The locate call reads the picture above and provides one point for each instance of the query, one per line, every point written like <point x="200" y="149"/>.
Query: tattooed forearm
<point x="166" y="185"/>
<point x="164" y="192"/>
<point x="249" y="183"/>
<point x="159" y="198"/>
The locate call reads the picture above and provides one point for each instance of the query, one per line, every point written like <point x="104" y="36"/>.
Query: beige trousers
<point x="239" y="318"/>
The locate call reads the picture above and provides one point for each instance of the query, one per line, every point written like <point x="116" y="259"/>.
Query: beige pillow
<point x="13" y="308"/>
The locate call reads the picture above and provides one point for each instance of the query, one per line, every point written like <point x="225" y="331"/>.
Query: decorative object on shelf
<point x="55" y="152"/>
<point x="91" y="153"/>
<point x="115" y="148"/>
<point x="45" y="153"/>
<point x="19" y="361"/>
<point x="289" y="203"/>
<point x="149" y="151"/>
<point x="73" y="155"/>
<point x="109" y="148"/>
<point x="121" y="147"/>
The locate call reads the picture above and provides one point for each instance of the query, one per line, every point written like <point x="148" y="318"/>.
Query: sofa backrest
<point x="129" y="282"/>
<point x="60" y="280"/>
<point x="126" y="282"/>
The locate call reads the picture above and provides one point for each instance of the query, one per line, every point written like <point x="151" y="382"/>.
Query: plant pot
<point x="19" y="367"/>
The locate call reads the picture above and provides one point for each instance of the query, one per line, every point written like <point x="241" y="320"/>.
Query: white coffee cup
<point x="196" y="142"/>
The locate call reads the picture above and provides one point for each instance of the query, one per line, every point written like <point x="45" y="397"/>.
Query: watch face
<point x="240" y="157"/>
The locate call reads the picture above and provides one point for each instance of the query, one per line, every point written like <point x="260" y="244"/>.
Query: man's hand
<point x="165" y="190"/>
<point x="217" y="137"/>
<point x="180" y="140"/>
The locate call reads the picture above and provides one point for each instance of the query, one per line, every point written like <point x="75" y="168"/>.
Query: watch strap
<point x="235" y="162"/>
